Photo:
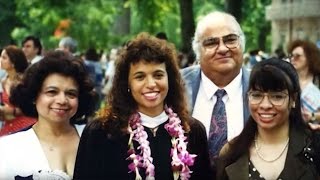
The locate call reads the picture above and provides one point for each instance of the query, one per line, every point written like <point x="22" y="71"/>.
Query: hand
<point x="313" y="126"/>
<point x="7" y="113"/>
<point x="306" y="115"/>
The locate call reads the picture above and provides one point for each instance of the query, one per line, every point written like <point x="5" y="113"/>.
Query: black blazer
<point x="101" y="156"/>
<point x="297" y="166"/>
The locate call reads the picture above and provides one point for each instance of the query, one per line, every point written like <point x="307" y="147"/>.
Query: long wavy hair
<point x="17" y="58"/>
<point x="268" y="75"/>
<point x="121" y="104"/>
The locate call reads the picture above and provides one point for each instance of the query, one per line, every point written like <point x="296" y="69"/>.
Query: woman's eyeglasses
<point x="292" y="56"/>
<point x="275" y="98"/>
<point x="231" y="41"/>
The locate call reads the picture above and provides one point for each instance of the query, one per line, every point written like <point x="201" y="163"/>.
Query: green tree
<point x="90" y="21"/>
<point x="255" y="26"/>
<point x="105" y="24"/>
<point x="8" y="21"/>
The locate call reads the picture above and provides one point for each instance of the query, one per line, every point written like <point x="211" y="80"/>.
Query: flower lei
<point x="181" y="159"/>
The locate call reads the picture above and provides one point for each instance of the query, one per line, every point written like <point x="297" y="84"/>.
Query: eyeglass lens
<point x="230" y="41"/>
<point x="276" y="98"/>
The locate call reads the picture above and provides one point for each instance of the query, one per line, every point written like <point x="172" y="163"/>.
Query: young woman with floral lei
<point x="145" y="132"/>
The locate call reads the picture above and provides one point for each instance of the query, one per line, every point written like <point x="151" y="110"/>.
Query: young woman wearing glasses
<point x="275" y="143"/>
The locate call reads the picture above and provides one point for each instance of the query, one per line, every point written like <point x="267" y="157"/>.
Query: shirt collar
<point x="232" y="88"/>
<point x="152" y="122"/>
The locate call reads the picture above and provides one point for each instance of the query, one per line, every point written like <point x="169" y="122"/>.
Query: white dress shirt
<point x="233" y="100"/>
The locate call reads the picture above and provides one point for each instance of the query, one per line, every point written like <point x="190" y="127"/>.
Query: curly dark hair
<point x="17" y="58"/>
<point x="311" y="52"/>
<point x="121" y="103"/>
<point x="24" y="94"/>
<point x="268" y="75"/>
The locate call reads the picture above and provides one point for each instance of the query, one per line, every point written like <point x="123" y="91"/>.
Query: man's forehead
<point x="219" y="30"/>
<point x="28" y="43"/>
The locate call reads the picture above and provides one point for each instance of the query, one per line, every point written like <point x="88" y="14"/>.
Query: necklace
<point x="257" y="148"/>
<point x="181" y="159"/>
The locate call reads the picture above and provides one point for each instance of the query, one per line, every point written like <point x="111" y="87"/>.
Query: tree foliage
<point x="255" y="26"/>
<point x="93" y="22"/>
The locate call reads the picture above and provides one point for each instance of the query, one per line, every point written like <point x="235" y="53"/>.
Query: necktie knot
<point x="220" y="93"/>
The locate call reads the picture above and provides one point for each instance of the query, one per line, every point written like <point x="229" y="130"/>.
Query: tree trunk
<point x="122" y="22"/>
<point x="234" y="7"/>
<point x="187" y="24"/>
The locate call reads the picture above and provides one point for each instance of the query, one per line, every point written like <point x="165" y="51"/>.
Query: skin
<point x="222" y="65"/>
<point x="148" y="83"/>
<point x="300" y="63"/>
<point x="6" y="64"/>
<point x="29" y="50"/>
<point x="272" y="135"/>
<point x="270" y="117"/>
<point x="58" y="100"/>
<point x="56" y="103"/>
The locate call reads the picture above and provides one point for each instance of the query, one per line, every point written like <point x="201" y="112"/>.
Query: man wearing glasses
<point x="216" y="87"/>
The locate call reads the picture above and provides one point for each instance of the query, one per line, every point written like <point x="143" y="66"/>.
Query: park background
<point x="105" y="24"/>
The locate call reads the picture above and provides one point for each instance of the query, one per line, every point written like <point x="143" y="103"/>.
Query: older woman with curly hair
<point x="56" y="91"/>
<point x="146" y="132"/>
<point x="305" y="57"/>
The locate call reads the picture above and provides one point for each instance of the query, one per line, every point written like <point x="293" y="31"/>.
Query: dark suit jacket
<point x="192" y="79"/>
<point x="297" y="167"/>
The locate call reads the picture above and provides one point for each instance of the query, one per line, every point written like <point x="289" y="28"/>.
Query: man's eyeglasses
<point x="231" y="41"/>
<point x="275" y="98"/>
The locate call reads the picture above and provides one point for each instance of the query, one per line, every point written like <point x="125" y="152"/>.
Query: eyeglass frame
<point x="292" y="56"/>
<point x="224" y="39"/>
<point x="268" y="94"/>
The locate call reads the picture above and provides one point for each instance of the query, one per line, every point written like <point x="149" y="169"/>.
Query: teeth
<point x="59" y="110"/>
<point x="151" y="94"/>
<point x="266" y="115"/>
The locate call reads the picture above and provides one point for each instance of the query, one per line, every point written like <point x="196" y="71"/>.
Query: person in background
<point x="2" y="75"/>
<point x="57" y="91"/>
<point x="216" y="88"/>
<point x="110" y="71"/>
<point x="92" y="59"/>
<point x="14" y="62"/>
<point x="162" y="35"/>
<point x="145" y="132"/>
<point x="68" y="44"/>
<point x="305" y="57"/>
<point x="275" y="143"/>
<point x="32" y="48"/>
